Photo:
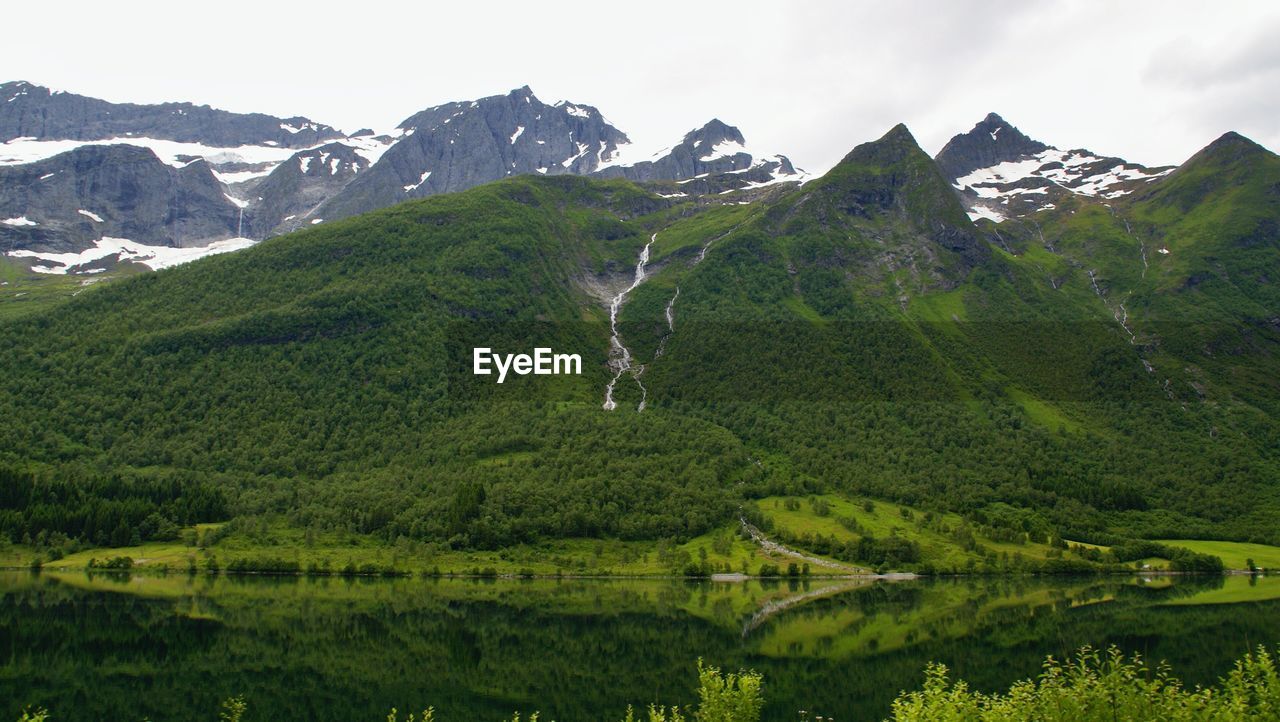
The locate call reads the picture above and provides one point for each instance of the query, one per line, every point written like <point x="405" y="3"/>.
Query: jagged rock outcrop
<point x="457" y="146"/>
<point x="287" y="197"/>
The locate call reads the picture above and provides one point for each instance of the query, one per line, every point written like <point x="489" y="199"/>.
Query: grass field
<point x="1235" y="555"/>
<point x="935" y="534"/>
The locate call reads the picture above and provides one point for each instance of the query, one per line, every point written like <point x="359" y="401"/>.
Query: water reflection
<point x="115" y="646"/>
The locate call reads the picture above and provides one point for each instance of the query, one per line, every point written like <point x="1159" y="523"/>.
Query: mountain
<point x="282" y="174"/>
<point x="715" y="149"/>
<point x="288" y="195"/>
<point x="71" y="201"/>
<point x="37" y="113"/>
<point x="460" y="145"/>
<point x="855" y="334"/>
<point x="1000" y="172"/>
<point x="991" y="142"/>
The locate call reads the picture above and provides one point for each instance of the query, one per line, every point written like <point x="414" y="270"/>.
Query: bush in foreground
<point x="1099" y="687"/>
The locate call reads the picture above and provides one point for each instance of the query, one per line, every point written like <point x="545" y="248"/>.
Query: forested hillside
<point x="857" y="334"/>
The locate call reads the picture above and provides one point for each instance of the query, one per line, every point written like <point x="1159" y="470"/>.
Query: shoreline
<point x="144" y="571"/>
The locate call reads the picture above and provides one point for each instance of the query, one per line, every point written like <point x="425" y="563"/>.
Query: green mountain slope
<point x="858" y="334"/>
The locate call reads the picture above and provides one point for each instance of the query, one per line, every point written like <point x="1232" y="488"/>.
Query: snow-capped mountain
<point x="456" y="146"/>
<point x="178" y="175"/>
<point x="74" y="198"/>
<point x="714" y="150"/>
<point x="1000" y="173"/>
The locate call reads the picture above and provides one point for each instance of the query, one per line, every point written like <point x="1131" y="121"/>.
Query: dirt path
<point x="774" y="547"/>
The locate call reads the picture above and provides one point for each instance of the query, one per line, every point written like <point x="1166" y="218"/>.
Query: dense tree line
<point x="102" y="508"/>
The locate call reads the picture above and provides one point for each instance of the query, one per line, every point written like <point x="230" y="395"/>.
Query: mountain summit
<point x="1001" y="173"/>
<point x="460" y="145"/>
<point x="993" y="140"/>
<point x="716" y="148"/>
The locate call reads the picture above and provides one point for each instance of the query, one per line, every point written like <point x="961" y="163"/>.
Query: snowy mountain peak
<point x="1000" y="173"/>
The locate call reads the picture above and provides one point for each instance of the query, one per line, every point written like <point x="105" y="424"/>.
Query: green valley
<point x="987" y="392"/>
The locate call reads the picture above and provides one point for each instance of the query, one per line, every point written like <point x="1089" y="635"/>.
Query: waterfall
<point x="620" y="355"/>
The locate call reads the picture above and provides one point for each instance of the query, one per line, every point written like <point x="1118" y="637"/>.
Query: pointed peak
<point x="1232" y="139"/>
<point x="991" y="141"/>
<point x="894" y="146"/>
<point x="714" y="131"/>
<point x="899" y="133"/>
<point x="1227" y="149"/>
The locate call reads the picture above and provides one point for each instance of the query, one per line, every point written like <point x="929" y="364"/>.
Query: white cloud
<point x="808" y="79"/>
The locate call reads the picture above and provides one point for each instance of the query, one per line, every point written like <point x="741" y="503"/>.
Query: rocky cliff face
<point x="121" y="191"/>
<point x="286" y="198"/>
<point x="456" y="146"/>
<point x="992" y="141"/>
<point x="32" y="111"/>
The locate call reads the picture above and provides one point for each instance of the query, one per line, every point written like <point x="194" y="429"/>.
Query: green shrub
<point x="1097" y="687"/>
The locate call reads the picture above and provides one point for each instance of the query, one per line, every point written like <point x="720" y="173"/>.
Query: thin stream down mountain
<point x="619" y="355"/>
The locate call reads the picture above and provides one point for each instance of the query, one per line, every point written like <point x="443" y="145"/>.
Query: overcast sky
<point x="1149" y="81"/>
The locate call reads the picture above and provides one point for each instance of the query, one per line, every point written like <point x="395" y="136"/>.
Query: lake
<point x="112" y="647"/>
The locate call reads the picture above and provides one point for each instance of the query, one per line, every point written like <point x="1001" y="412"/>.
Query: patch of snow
<point x="517" y="134"/>
<point x="1163" y="251"/>
<point x="723" y="149"/>
<point x="19" y="221"/>
<point x="574" y="110"/>
<point x="240" y="176"/>
<point x="983" y="212"/>
<point x="304" y="162"/>
<point x="293" y="130"/>
<point x="90" y="215"/>
<point x="154" y="257"/>
<point x="236" y="201"/>
<point x="1073" y="170"/>
<point x="627" y="154"/>
<point x="369" y="147"/>
<point x="47" y="176"/>
<point x="27" y="150"/>
<point x="582" y="150"/>
<point x="316" y="220"/>
<point x="414" y="186"/>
